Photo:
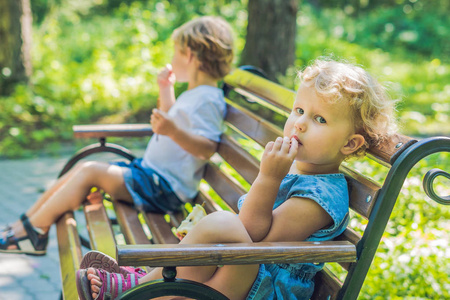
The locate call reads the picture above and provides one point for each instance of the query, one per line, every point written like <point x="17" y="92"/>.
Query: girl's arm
<point x="166" y="80"/>
<point x="256" y="213"/>
<point x="196" y="145"/>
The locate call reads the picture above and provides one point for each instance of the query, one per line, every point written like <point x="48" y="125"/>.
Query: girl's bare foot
<point x="96" y="283"/>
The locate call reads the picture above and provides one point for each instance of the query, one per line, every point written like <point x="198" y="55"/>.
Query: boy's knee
<point x="88" y="170"/>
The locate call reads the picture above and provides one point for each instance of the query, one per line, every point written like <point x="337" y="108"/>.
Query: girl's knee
<point x="223" y="226"/>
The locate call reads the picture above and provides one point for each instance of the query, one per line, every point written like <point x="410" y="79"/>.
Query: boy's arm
<point x="196" y="145"/>
<point x="166" y="80"/>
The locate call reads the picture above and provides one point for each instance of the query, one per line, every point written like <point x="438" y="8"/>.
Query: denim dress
<point x="295" y="281"/>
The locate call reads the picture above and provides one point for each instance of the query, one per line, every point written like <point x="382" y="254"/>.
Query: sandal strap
<point x="38" y="241"/>
<point x="114" y="284"/>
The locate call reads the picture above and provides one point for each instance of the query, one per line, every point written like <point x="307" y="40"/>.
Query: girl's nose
<point x="300" y="124"/>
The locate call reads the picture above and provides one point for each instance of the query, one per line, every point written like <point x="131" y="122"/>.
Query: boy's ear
<point x="354" y="143"/>
<point x="189" y="53"/>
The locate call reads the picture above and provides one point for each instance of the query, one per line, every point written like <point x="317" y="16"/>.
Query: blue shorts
<point x="150" y="191"/>
<point x="284" y="281"/>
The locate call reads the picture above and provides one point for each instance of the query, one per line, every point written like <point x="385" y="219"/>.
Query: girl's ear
<point x="354" y="143"/>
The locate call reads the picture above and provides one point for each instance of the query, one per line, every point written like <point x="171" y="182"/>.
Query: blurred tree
<point x="271" y="31"/>
<point x="15" y="44"/>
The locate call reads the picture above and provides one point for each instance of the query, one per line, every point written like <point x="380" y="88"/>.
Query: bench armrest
<point x="235" y="253"/>
<point x="112" y="130"/>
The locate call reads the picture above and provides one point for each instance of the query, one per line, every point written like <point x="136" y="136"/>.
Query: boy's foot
<point x="32" y="243"/>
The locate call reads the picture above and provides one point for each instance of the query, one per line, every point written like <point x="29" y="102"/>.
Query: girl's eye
<point x="320" y="119"/>
<point x="300" y="111"/>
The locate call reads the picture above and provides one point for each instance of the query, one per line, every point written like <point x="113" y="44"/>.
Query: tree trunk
<point x="271" y="31"/>
<point x="15" y="44"/>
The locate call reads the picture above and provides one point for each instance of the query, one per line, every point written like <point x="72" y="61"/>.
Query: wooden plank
<point x="363" y="191"/>
<point x="208" y="203"/>
<point x="251" y="125"/>
<point x="261" y="90"/>
<point x="69" y="254"/>
<point x="243" y="162"/>
<point x="99" y="227"/>
<point x="235" y="254"/>
<point x="160" y="229"/>
<point x="116" y="130"/>
<point x="327" y="286"/>
<point x="386" y="151"/>
<point x="131" y="227"/>
<point x="224" y="185"/>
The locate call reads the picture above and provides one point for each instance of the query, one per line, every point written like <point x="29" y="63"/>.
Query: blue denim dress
<point x="295" y="281"/>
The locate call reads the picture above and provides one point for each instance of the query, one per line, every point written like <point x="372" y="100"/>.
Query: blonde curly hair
<point x="211" y="40"/>
<point x="372" y="107"/>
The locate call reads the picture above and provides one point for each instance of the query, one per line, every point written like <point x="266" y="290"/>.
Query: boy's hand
<point x="162" y="123"/>
<point x="278" y="157"/>
<point x="166" y="77"/>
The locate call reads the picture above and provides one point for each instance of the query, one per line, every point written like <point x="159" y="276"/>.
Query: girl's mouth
<point x="298" y="140"/>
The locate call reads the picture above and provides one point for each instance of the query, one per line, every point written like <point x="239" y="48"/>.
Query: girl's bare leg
<point x="231" y="280"/>
<point x="72" y="191"/>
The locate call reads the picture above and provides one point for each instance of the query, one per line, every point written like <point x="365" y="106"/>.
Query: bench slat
<point x="100" y="231"/>
<point x="326" y="286"/>
<point x="208" y="203"/>
<point x="363" y="191"/>
<point x="224" y="185"/>
<point x="266" y="90"/>
<point x="243" y="162"/>
<point x="251" y="125"/>
<point x="69" y="254"/>
<point x="235" y="254"/>
<point x="130" y="225"/>
<point x="160" y="229"/>
<point x="385" y="152"/>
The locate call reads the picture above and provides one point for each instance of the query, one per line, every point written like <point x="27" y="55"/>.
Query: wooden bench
<point x="257" y="109"/>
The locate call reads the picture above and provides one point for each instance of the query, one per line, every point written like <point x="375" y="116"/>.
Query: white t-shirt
<point x="200" y="111"/>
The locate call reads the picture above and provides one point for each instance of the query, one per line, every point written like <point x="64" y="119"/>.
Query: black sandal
<point x="32" y="244"/>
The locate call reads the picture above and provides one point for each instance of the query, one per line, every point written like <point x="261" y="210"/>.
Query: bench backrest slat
<point x="252" y="125"/>
<point x="243" y="162"/>
<point x="224" y="185"/>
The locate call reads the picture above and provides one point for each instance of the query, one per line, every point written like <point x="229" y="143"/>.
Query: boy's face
<point x="322" y="128"/>
<point x="180" y="61"/>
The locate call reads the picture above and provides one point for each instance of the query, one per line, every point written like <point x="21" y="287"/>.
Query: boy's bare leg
<point x="72" y="191"/>
<point x="232" y="280"/>
<point x="17" y="225"/>
<point x="59" y="182"/>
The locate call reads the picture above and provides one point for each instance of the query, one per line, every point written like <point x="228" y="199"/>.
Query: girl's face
<point x="180" y="62"/>
<point x="322" y="129"/>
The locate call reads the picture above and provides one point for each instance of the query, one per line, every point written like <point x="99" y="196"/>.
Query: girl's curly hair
<point x="372" y="107"/>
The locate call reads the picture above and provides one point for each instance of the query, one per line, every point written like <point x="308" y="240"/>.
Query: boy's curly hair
<point x="211" y="40"/>
<point x="372" y="107"/>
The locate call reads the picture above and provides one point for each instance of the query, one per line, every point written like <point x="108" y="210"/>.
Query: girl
<point x="187" y="130"/>
<point x="299" y="194"/>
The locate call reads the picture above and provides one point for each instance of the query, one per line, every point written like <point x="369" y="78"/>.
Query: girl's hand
<point x="278" y="157"/>
<point x="162" y="123"/>
<point x="166" y="77"/>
